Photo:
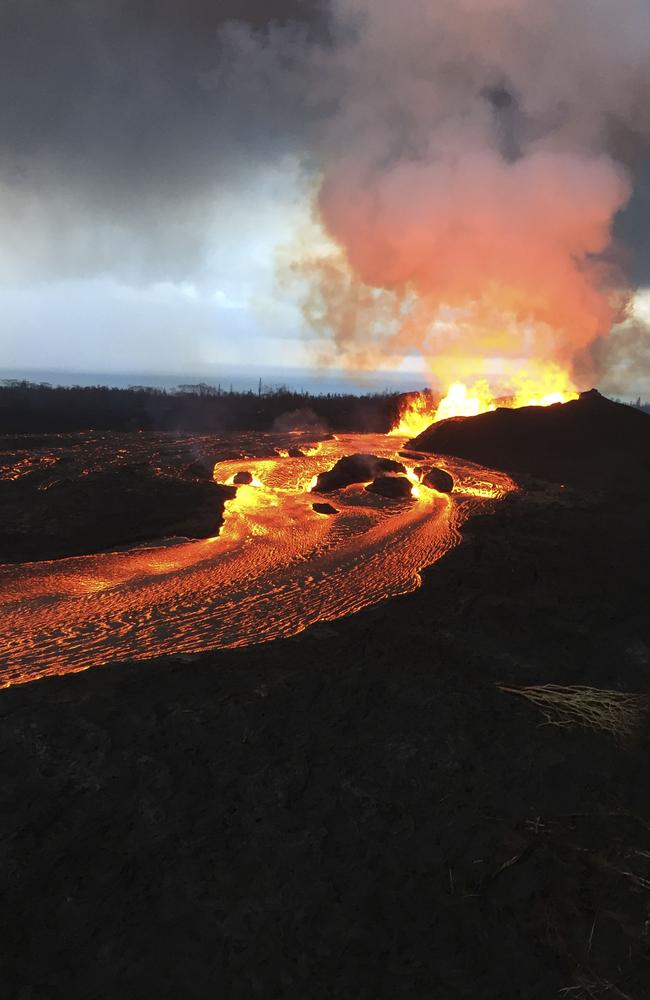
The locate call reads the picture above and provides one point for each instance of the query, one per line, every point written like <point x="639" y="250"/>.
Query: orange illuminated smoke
<point x="541" y="387"/>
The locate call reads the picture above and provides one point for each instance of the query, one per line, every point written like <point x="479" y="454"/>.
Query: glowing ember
<point x="544" y="387"/>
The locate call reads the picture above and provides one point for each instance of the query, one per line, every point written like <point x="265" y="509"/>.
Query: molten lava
<point x="542" y="386"/>
<point x="277" y="567"/>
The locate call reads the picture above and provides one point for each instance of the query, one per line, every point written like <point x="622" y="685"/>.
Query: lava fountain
<point x="542" y="385"/>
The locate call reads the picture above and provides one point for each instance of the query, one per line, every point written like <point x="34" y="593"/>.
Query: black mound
<point x="589" y="441"/>
<point x="438" y="479"/>
<point x="393" y="487"/>
<point x="324" y="508"/>
<point x="354" y="469"/>
<point x="242" y="479"/>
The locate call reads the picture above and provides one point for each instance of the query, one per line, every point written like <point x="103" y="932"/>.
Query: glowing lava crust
<point x="277" y="567"/>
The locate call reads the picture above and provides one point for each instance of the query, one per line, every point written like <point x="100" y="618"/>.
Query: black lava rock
<point x="393" y="487"/>
<point x="438" y="479"/>
<point x="324" y="508"/>
<point x="355" y="469"/>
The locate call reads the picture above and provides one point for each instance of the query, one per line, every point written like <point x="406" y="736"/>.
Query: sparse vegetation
<point x="593" y="988"/>
<point x="614" y="712"/>
<point x="638" y="404"/>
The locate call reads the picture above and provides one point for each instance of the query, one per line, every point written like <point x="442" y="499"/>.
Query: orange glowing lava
<point x="541" y="386"/>
<point x="276" y="567"/>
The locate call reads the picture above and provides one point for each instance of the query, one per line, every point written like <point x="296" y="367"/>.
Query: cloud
<point x="126" y="128"/>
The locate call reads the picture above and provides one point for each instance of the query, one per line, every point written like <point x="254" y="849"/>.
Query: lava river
<point x="276" y="568"/>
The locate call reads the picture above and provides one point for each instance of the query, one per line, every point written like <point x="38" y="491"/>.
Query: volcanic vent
<point x="589" y="440"/>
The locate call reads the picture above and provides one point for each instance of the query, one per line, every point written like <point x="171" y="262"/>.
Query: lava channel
<point x="277" y="567"/>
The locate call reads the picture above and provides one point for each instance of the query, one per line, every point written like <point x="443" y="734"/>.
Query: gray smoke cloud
<point x="126" y="124"/>
<point x="624" y="358"/>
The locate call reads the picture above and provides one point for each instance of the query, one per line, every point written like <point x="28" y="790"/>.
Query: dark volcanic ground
<point x="358" y="812"/>
<point x="72" y="494"/>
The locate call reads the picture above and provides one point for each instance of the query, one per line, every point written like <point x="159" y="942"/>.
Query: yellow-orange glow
<point x="415" y="417"/>
<point x="463" y="402"/>
<point x="415" y="482"/>
<point x="545" y="386"/>
<point x="542" y="385"/>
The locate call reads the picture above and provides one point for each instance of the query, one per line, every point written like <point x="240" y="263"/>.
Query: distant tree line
<point x="637" y="404"/>
<point x="27" y="408"/>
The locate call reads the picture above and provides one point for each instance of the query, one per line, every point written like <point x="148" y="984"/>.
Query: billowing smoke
<point x="623" y="357"/>
<point x="472" y="167"/>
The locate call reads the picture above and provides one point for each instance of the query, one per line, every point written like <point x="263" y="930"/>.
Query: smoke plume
<point x="474" y="161"/>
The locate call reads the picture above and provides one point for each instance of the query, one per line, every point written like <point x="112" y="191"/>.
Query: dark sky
<point x="148" y="169"/>
<point x="134" y="112"/>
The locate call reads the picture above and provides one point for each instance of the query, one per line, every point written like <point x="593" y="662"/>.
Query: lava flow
<point x="277" y="567"/>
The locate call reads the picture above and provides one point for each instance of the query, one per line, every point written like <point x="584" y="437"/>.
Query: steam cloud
<point x="472" y="169"/>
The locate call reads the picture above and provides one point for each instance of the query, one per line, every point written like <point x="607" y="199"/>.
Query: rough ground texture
<point x="358" y="812"/>
<point x="71" y="494"/>
<point x="103" y="509"/>
<point x="590" y="441"/>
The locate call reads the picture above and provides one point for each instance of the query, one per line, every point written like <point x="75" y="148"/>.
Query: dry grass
<point x="593" y="988"/>
<point x="615" y="712"/>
